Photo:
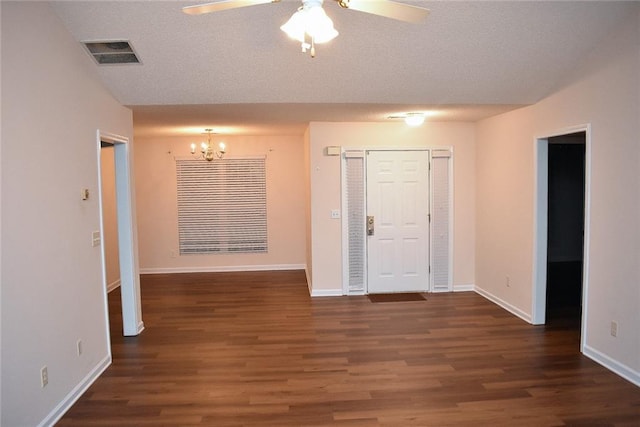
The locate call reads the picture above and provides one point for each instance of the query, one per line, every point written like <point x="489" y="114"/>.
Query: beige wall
<point x="605" y="93"/>
<point x="51" y="282"/>
<point x="109" y="217"/>
<point x="326" y="233"/>
<point x="53" y="293"/>
<point x="155" y="175"/>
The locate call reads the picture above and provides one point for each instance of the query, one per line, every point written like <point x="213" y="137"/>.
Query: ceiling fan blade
<point x="389" y="9"/>
<point x="222" y="5"/>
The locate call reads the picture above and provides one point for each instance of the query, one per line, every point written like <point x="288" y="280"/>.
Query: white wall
<point x="603" y="92"/>
<point x="155" y="174"/>
<point x="52" y="288"/>
<point x="326" y="189"/>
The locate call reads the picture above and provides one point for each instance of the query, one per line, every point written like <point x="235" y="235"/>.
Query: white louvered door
<point x="354" y="191"/>
<point x="441" y="210"/>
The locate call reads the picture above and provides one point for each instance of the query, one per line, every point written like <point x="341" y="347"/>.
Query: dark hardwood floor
<point x="253" y="349"/>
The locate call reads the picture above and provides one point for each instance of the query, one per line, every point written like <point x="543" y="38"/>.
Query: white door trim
<point x="128" y="254"/>
<point x="540" y="208"/>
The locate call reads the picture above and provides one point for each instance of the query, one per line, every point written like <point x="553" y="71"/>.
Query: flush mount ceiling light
<point x="311" y="25"/>
<point x="207" y="150"/>
<point x="414" y="119"/>
<point x="411" y="119"/>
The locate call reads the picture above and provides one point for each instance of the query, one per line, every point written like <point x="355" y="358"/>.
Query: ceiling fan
<point x="311" y="25"/>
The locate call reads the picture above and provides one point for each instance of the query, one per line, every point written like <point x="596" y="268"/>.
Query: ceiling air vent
<point x="112" y="52"/>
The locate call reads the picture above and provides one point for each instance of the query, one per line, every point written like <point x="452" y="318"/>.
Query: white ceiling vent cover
<point x="112" y="52"/>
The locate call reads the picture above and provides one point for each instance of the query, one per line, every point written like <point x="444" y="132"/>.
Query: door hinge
<point x="429" y="216"/>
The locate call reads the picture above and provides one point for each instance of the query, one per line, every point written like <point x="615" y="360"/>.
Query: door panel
<point x="410" y="262"/>
<point x="398" y="199"/>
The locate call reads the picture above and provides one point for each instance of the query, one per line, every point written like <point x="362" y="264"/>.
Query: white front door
<point x="398" y="204"/>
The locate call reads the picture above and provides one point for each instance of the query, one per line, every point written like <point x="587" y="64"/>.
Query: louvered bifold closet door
<point x="441" y="221"/>
<point x="222" y="206"/>
<point x="355" y="209"/>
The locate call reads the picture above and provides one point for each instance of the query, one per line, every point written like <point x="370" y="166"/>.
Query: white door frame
<point x="540" y="207"/>
<point x="128" y="254"/>
<point x="359" y="152"/>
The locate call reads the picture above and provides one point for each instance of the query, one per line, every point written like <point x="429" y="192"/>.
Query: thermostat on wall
<point x="333" y="150"/>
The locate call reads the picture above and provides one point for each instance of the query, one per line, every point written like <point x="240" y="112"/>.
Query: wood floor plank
<point x="253" y="349"/>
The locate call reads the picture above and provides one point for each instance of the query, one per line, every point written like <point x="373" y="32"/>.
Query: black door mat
<point x="399" y="297"/>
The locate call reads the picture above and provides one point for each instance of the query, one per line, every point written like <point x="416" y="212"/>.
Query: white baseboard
<point x="510" y="308"/>
<point x="113" y="285"/>
<point x="222" y="269"/>
<point x="613" y="365"/>
<point x="464" y="288"/>
<point x="326" y="293"/>
<point x="66" y="403"/>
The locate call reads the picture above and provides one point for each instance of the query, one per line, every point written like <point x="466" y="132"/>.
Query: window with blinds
<point x="222" y="206"/>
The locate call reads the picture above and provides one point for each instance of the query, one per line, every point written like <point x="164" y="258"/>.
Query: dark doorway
<point x="565" y="235"/>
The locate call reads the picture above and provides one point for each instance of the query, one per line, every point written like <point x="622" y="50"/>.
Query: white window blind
<point x="222" y="206"/>
<point x="441" y="221"/>
<point x="355" y="190"/>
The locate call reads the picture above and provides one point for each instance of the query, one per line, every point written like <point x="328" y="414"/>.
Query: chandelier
<point x="207" y="150"/>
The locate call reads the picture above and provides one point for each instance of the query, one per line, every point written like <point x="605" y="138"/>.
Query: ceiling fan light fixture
<point x="295" y="26"/>
<point x="310" y="21"/>
<point x="319" y="26"/>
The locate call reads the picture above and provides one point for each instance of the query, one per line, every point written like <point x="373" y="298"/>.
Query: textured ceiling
<point x="236" y="70"/>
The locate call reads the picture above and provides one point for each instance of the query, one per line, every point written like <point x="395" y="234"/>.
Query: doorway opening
<point x="565" y="228"/>
<point x="109" y="215"/>
<point x="129" y="278"/>
<point x="561" y="235"/>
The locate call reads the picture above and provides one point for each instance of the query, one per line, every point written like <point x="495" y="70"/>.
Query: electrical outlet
<point x="79" y="347"/>
<point x="508" y="282"/>
<point x="44" y="376"/>
<point x="614" y="328"/>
